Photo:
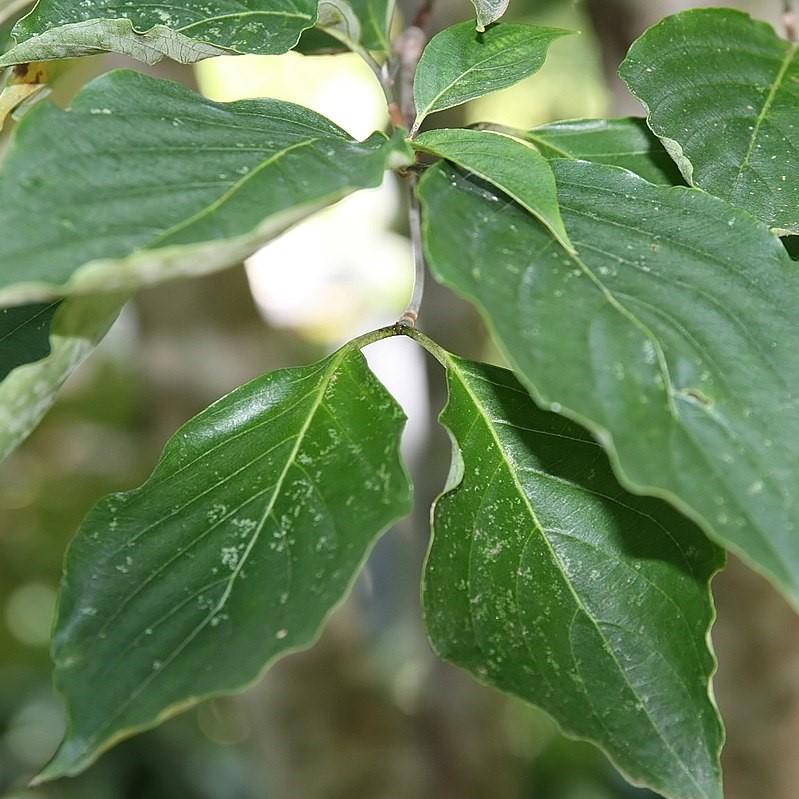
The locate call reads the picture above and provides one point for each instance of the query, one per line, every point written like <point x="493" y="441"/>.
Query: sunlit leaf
<point x="183" y="30"/>
<point x="548" y="580"/>
<point x="722" y="92"/>
<point x="249" y="531"/>
<point x="671" y="335"/>
<point x="512" y="166"/>
<point x="142" y="180"/>
<point x="460" y="63"/>
<point x="625" y="142"/>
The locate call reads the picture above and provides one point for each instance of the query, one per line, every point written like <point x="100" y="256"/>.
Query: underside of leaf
<point x="30" y="389"/>
<point x="184" y="31"/>
<point x="142" y="180"/>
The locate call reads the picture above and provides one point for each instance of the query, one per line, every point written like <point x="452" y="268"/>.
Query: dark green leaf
<point x="143" y="180"/>
<point x="722" y="92"/>
<point x="27" y="393"/>
<point x="24" y="335"/>
<point x="512" y="166"/>
<point x="249" y="531"/>
<point x="183" y="30"/>
<point x="547" y="580"/>
<point x="625" y="142"/>
<point x="460" y="64"/>
<point x="671" y="335"/>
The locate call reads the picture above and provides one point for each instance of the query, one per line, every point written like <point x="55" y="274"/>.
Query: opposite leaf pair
<point x="263" y="507"/>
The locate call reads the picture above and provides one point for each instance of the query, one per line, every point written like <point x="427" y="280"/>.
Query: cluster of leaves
<point x="631" y="271"/>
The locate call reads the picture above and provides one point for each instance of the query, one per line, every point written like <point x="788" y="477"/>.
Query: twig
<point x="408" y="50"/>
<point x="789" y="20"/>
<point x="411" y="313"/>
<point x="423" y="14"/>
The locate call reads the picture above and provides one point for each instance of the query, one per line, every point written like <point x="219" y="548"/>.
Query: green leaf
<point x="722" y="92"/>
<point x="488" y="11"/>
<point x="460" y="64"/>
<point x="185" y="31"/>
<point x="374" y="18"/>
<point x="549" y="581"/>
<point x="509" y="164"/>
<point x="24" y="335"/>
<point x="27" y="393"/>
<point x="339" y="20"/>
<point x="625" y="142"/>
<point x="671" y="335"/>
<point x="143" y="180"/>
<point x="249" y="531"/>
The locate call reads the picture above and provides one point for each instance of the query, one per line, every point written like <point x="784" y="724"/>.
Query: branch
<point x="789" y="20"/>
<point x="411" y="313"/>
<point x="408" y="48"/>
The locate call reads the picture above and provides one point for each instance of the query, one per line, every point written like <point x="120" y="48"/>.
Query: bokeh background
<point x="368" y="713"/>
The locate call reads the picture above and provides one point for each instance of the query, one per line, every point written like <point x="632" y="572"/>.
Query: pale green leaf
<point x="488" y="11"/>
<point x="249" y="531"/>
<point x="722" y="92"/>
<point x="671" y="335"/>
<point x="626" y="142"/>
<point x="24" y="335"/>
<point x="184" y="30"/>
<point x="373" y="18"/>
<point x="509" y="164"/>
<point x="338" y="18"/>
<point x="27" y="393"/>
<point x="142" y="180"/>
<point x="460" y="63"/>
<point x="549" y="581"/>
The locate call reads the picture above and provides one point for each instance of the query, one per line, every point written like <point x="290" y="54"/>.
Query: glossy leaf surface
<point x="512" y="166"/>
<point x="626" y="142"/>
<point x="143" y="180"/>
<point x="249" y="531"/>
<point x="722" y="92"/>
<point x="671" y="335"/>
<point x="183" y="30"/>
<point x="549" y="581"/>
<point x="460" y="63"/>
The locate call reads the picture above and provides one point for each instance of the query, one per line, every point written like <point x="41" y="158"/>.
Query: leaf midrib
<point x="97" y="737"/>
<point x="769" y="101"/>
<point x="228" y="194"/>
<point x="428" y="109"/>
<point x="455" y="368"/>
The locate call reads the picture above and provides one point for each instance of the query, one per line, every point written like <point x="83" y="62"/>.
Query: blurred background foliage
<point x="369" y="713"/>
